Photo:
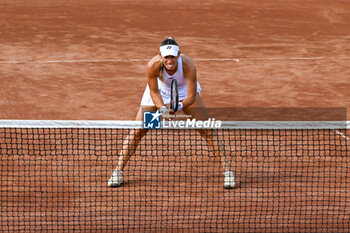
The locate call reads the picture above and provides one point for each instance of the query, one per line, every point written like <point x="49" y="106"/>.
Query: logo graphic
<point x="169" y="47"/>
<point x="151" y="120"/>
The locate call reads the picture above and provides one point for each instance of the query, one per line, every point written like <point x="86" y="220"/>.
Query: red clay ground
<point x="85" y="60"/>
<point x="284" y="184"/>
<point x="292" y="54"/>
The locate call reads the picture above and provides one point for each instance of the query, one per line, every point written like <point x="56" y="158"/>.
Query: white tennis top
<point x="165" y="87"/>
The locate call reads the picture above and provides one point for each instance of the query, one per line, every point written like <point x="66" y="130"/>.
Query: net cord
<point x="121" y="124"/>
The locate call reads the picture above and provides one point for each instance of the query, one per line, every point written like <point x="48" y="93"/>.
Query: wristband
<point x="163" y="109"/>
<point x="180" y="106"/>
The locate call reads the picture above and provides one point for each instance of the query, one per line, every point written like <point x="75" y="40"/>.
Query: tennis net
<point x="291" y="177"/>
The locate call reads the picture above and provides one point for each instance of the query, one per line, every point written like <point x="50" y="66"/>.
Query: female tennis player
<point x="170" y="64"/>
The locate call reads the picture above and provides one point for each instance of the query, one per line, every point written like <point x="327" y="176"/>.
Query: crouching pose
<point x="170" y="64"/>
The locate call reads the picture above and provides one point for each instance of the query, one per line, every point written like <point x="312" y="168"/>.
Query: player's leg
<point x="216" y="146"/>
<point x="130" y="144"/>
<point x="133" y="139"/>
<point x="199" y="111"/>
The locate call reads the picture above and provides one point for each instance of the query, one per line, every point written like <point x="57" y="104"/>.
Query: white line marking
<point x="271" y="58"/>
<point x="73" y="61"/>
<point x="217" y="59"/>
<point x="196" y="59"/>
<point x="296" y="58"/>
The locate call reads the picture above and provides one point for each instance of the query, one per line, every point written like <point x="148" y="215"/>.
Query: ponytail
<point x="169" y="41"/>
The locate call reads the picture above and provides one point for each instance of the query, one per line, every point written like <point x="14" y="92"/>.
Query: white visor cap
<point x="169" y="50"/>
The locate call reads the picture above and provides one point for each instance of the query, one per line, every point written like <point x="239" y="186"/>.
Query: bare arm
<point x="190" y="72"/>
<point x="152" y="74"/>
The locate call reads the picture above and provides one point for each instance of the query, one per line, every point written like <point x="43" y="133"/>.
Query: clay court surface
<point x="86" y="60"/>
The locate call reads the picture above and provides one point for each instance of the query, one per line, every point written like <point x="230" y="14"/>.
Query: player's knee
<point x="140" y="133"/>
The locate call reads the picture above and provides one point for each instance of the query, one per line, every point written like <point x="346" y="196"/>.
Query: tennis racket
<point x="174" y="97"/>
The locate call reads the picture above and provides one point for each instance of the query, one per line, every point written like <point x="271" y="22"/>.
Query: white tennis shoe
<point x="229" y="180"/>
<point x="116" y="179"/>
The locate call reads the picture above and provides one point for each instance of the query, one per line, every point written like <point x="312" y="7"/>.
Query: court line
<point x="145" y="60"/>
<point x="73" y="61"/>
<point x="271" y="58"/>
